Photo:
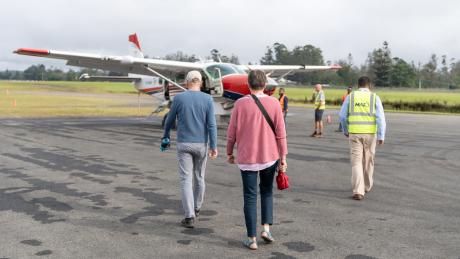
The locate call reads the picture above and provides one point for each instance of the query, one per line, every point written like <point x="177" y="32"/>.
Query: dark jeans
<point x="250" y="197"/>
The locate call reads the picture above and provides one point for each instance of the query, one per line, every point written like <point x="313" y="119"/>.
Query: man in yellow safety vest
<point x="363" y="121"/>
<point x="320" y="105"/>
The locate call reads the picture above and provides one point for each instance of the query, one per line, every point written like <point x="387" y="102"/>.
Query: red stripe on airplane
<point x="33" y="52"/>
<point x="151" y="89"/>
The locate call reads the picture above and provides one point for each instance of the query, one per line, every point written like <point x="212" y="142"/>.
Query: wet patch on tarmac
<point x="359" y="256"/>
<point x="204" y="219"/>
<point x="287" y="221"/>
<point x="184" y="242"/>
<point x="52" y="204"/>
<point x="301" y="201"/>
<point x="197" y="231"/>
<point x="161" y="203"/>
<point x="235" y="243"/>
<point x="13" y="200"/>
<point x="32" y="207"/>
<point x="31" y="242"/>
<point x="44" y="252"/>
<point x="279" y="255"/>
<point x="208" y="213"/>
<point x="57" y="160"/>
<point x="301" y="247"/>
<point x="90" y="178"/>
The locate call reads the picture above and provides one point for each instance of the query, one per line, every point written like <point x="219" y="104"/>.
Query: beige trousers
<point x="362" y="152"/>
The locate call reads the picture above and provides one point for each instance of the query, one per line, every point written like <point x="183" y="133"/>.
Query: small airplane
<point x="163" y="79"/>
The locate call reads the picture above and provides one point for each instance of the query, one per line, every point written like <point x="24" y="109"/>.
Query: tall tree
<point x="402" y="73"/>
<point x="381" y="64"/>
<point x="268" y="58"/>
<point x="429" y="71"/>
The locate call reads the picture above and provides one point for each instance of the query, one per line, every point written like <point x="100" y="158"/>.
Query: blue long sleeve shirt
<point x="379" y="116"/>
<point x="196" y="121"/>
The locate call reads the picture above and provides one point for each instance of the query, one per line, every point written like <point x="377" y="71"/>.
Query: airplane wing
<point x="284" y="70"/>
<point x="120" y="64"/>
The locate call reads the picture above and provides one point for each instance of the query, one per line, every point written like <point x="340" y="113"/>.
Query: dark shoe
<point x="188" y="222"/>
<point x="358" y="197"/>
<point x="319" y="135"/>
<point x="197" y="213"/>
<point x="313" y="135"/>
<point x="267" y="237"/>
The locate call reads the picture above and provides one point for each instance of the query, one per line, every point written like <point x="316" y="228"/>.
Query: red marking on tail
<point x="133" y="38"/>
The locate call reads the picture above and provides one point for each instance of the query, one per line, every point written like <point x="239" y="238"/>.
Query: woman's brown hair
<point x="257" y="79"/>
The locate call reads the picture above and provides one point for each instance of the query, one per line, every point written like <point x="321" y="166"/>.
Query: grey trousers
<point x="192" y="159"/>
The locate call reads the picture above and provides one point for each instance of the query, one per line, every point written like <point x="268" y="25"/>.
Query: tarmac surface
<point x="100" y="188"/>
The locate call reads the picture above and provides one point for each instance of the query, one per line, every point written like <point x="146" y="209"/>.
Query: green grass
<point x="54" y="99"/>
<point x="443" y="96"/>
<point x="34" y="99"/>
<point x="81" y="87"/>
<point x="43" y="105"/>
<point x="393" y="99"/>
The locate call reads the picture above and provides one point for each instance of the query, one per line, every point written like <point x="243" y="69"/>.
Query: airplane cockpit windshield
<point x="225" y="69"/>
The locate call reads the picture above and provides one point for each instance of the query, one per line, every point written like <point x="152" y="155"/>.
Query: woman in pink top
<point x="259" y="153"/>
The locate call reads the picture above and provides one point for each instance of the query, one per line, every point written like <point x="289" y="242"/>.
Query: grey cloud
<point x="415" y="29"/>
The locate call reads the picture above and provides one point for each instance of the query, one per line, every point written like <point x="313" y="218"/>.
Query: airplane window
<point x="240" y="70"/>
<point x="225" y="69"/>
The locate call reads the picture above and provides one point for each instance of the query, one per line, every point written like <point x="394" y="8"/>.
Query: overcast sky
<point x="414" y="28"/>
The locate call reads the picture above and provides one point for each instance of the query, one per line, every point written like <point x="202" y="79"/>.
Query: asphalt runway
<point x="100" y="188"/>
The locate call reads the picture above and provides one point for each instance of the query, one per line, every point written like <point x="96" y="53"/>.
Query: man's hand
<point x="213" y="153"/>
<point x="165" y="144"/>
<point x="230" y="159"/>
<point x="380" y="142"/>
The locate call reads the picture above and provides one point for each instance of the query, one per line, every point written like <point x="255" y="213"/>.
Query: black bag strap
<point x="265" y="113"/>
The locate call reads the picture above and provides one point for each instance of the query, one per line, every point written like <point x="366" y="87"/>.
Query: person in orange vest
<point x="349" y="90"/>
<point x="283" y="102"/>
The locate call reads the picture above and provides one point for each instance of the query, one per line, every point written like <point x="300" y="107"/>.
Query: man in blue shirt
<point x="196" y="126"/>
<point x="363" y="121"/>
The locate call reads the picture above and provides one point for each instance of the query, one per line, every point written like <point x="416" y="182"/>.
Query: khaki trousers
<point x="362" y="152"/>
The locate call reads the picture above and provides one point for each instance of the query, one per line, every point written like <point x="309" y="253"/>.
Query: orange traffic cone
<point x="14" y="103"/>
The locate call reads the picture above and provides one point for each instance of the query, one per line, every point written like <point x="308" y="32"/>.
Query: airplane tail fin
<point x="136" y="46"/>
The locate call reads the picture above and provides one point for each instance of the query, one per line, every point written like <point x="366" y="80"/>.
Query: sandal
<point x="267" y="237"/>
<point x="250" y="244"/>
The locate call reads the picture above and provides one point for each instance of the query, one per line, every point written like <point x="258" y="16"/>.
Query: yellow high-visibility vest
<point x="318" y="103"/>
<point x="361" y="113"/>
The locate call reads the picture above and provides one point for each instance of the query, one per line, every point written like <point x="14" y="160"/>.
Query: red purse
<point x="282" y="180"/>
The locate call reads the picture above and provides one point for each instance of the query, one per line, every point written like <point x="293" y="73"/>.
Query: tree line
<point x="381" y="66"/>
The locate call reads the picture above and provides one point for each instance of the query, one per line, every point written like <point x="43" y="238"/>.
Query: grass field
<point x="395" y="99"/>
<point x="81" y="87"/>
<point x="51" y="99"/>
<point x="71" y="99"/>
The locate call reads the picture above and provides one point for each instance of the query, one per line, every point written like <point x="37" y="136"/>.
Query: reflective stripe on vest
<point x="361" y="113"/>
<point x="318" y="101"/>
